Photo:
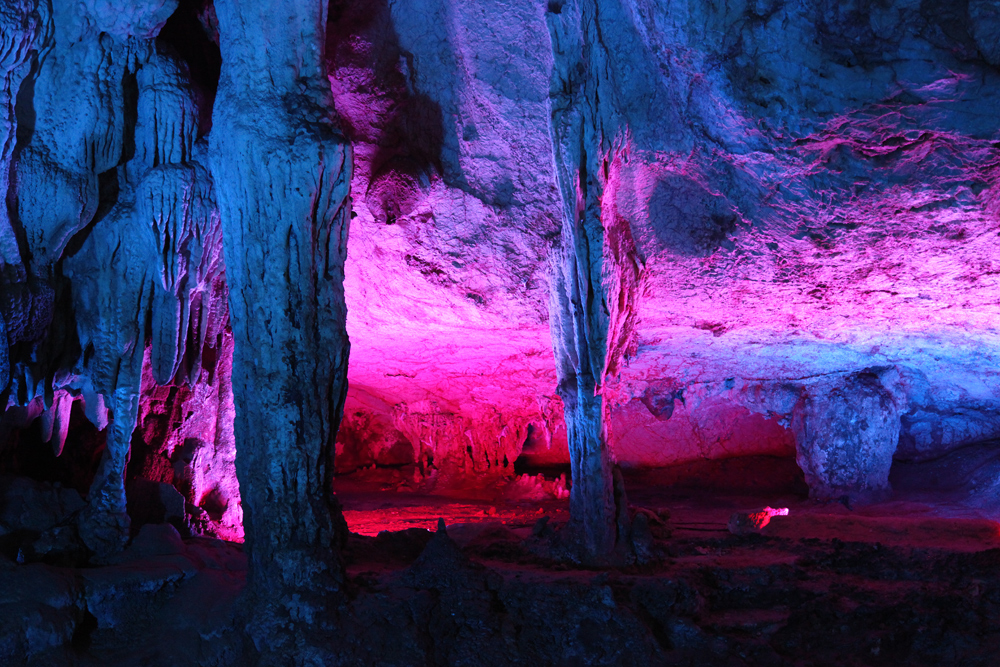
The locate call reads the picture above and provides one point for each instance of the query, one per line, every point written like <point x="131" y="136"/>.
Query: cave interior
<point x="569" y="332"/>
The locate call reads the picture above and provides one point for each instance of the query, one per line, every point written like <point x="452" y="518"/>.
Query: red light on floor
<point x="752" y="522"/>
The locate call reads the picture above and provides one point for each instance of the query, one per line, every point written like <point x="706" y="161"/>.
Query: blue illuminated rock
<point x="282" y="173"/>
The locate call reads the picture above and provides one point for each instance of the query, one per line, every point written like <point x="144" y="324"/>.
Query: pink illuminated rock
<point x="764" y="230"/>
<point x="775" y="202"/>
<point x="741" y="523"/>
<point x="184" y="437"/>
<point x="454" y="195"/>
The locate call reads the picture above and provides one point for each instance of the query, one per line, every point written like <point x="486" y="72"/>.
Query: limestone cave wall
<point x="724" y="228"/>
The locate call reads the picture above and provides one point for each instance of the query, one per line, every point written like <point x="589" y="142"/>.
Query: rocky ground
<point x="902" y="582"/>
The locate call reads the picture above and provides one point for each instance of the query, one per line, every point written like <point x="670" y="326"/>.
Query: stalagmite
<point x="282" y="174"/>
<point x="595" y="287"/>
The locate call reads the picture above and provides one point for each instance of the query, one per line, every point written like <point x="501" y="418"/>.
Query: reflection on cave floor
<point x="924" y="511"/>
<point x="372" y="513"/>
<point x="908" y="581"/>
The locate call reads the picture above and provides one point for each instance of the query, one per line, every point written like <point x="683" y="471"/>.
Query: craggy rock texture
<point x="282" y="172"/>
<point x="847" y="433"/>
<point x="23" y="24"/>
<point x="594" y="291"/>
<point x="185" y="439"/>
<point x="118" y="238"/>
<point x="777" y="194"/>
<point x="594" y="233"/>
<point x="806" y="201"/>
<point x="786" y="191"/>
<point x="446" y="107"/>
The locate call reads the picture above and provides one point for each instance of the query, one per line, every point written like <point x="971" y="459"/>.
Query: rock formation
<point x="282" y="172"/>
<point x="595" y="288"/>
<point x="600" y="234"/>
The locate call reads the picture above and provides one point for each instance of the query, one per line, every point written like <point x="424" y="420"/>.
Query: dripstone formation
<point x="249" y="246"/>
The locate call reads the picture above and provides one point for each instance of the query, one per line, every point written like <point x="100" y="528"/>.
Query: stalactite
<point x="142" y="251"/>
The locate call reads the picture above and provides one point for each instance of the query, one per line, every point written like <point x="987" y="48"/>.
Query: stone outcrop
<point x="846" y="435"/>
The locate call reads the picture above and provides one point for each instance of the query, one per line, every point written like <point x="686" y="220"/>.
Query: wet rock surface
<point x="484" y="598"/>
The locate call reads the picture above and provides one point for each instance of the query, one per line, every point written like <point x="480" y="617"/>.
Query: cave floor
<point x="902" y="521"/>
<point x="700" y="498"/>
<point x="369" y="513"/>
<point x="908" y="581"/>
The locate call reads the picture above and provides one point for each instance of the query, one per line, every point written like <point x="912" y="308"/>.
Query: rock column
<point x="282" y="173"/>
<point x="592" y="297"/>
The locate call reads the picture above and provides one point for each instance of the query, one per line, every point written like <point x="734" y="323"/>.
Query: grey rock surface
<point x="847" y="433"/>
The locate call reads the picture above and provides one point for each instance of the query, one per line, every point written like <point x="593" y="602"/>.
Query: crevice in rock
<point x="188" y="35"/>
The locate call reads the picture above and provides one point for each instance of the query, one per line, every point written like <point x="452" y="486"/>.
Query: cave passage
<point x="506" y="332"/>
